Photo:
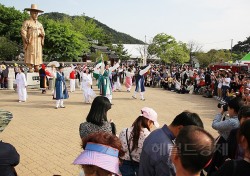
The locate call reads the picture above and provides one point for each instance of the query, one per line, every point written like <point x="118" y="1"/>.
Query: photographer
<point x="224" y="127"/>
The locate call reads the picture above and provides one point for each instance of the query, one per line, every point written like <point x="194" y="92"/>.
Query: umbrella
<point x="53" y="63"/>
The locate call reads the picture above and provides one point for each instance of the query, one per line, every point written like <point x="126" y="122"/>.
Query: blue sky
<point x="211" y="23"/>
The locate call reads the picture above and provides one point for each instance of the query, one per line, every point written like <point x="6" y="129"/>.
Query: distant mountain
<point x="116" y="36"/>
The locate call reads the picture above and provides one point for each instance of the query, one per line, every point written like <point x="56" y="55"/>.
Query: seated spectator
<point x="239" y="167"/>
<point x="201" y="84"/>
<point x="193" y="151"/>
<point x="97" y="120"/>
<point x="190" y="88"/>
<point x="101" y="155"/>
<point x="177" y="83"/>
<point x="132" y="140"/>
<point x="164" y="83"/>
<point x="9" y="158"/>
<point x="155" y="156"/>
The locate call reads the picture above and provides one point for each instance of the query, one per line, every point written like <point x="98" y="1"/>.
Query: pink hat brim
<point x="104" y="161"/>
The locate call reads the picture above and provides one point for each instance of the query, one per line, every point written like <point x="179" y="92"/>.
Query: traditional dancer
<point x="104" y="83"/>
<point x="61" y="92"/>
<point x="21" y="85"/>
<point x="140" y="83"/>
<point x="117" y="79"/>
<point x="129" y="76"/>
<point x="88" y="93"/>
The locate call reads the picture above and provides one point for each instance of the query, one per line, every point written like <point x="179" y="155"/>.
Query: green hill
<point x="116" y="37"/>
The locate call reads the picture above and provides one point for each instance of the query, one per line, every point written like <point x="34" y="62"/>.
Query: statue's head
<point x="34" y="11"/>
<point x="34" y="15"/>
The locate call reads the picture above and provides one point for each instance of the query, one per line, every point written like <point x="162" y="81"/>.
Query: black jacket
<point x="9" y="158"/>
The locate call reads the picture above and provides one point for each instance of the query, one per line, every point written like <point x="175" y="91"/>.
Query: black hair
<point x="98" y="110"/>
<point x="195" y="153"/>
<point x="236" y="103"/>
<point x="187" y="118"/>
<point x="106" y="63"/>
<point x="244" y="112"/>
<point x="245" y="131"/>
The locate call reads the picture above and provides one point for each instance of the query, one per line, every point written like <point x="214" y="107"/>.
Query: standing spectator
<point x="9" y="158"/>
<point x="72" y="77"/>
<point x="219" y="90"/>
<point x="97" y="120"/>
<point x="60" y="92"/>
<point x="4" y="76"/>
<point x="225" y="86"/>
<point x="155" y="156"/>
<point x="239" y="167"/>
<point x="21" y="85"/>
<point x="16" y="69"/>
<point x="193" y="151"/>
<point x="235" y="151"/>
<point x="224" y="127"/>
<point x="132" y="140"/>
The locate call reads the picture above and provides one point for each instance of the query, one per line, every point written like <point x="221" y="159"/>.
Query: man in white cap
<point x="33" y="39"/>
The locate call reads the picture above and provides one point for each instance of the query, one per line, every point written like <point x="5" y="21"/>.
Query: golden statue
<point x="33" y="39"/>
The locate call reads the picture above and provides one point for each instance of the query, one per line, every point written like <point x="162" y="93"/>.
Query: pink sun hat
<point x="150" y="114"/>
<point x="99" y="155"/>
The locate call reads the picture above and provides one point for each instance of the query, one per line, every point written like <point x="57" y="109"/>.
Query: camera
<point x="223" y="105"/>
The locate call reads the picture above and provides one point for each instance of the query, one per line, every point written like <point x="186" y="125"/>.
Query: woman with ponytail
<point x="132" y="140"/>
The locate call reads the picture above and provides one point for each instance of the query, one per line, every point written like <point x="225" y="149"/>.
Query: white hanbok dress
<point x="88" y="93"/>
<point x="21" y="86"/>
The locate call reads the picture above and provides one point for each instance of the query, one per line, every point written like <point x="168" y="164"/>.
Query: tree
<point x="193" y="48"/>
<point x="241" y="49"/>
<point x="10" y="23"/>
<point x="168" y="49"/>
<point x="212" y="56"/>
<point x="121" y="52"/>
<point x="62" y="43"/>
<point x="8" y="49"/>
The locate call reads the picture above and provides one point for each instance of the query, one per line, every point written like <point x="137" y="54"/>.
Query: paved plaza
<point x="48" y="140"/>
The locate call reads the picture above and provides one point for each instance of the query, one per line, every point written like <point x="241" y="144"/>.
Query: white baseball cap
<point x="150" y="114"/>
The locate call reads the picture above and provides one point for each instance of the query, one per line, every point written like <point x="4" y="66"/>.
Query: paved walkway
<point x="48" y="139"/>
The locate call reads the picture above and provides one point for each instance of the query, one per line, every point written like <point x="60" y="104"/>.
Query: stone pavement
<point x="48" y="141"/>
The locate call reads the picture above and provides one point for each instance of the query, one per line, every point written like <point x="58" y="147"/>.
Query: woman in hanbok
<point x="140" y="80"/>
<point x="104" y="83"/>
<point x="117" y="79"/>
<point x="21" y="85"/>
<point x="60" y="92"/>
<point x="129" y="76"/>
<point x="88" y="93"/>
